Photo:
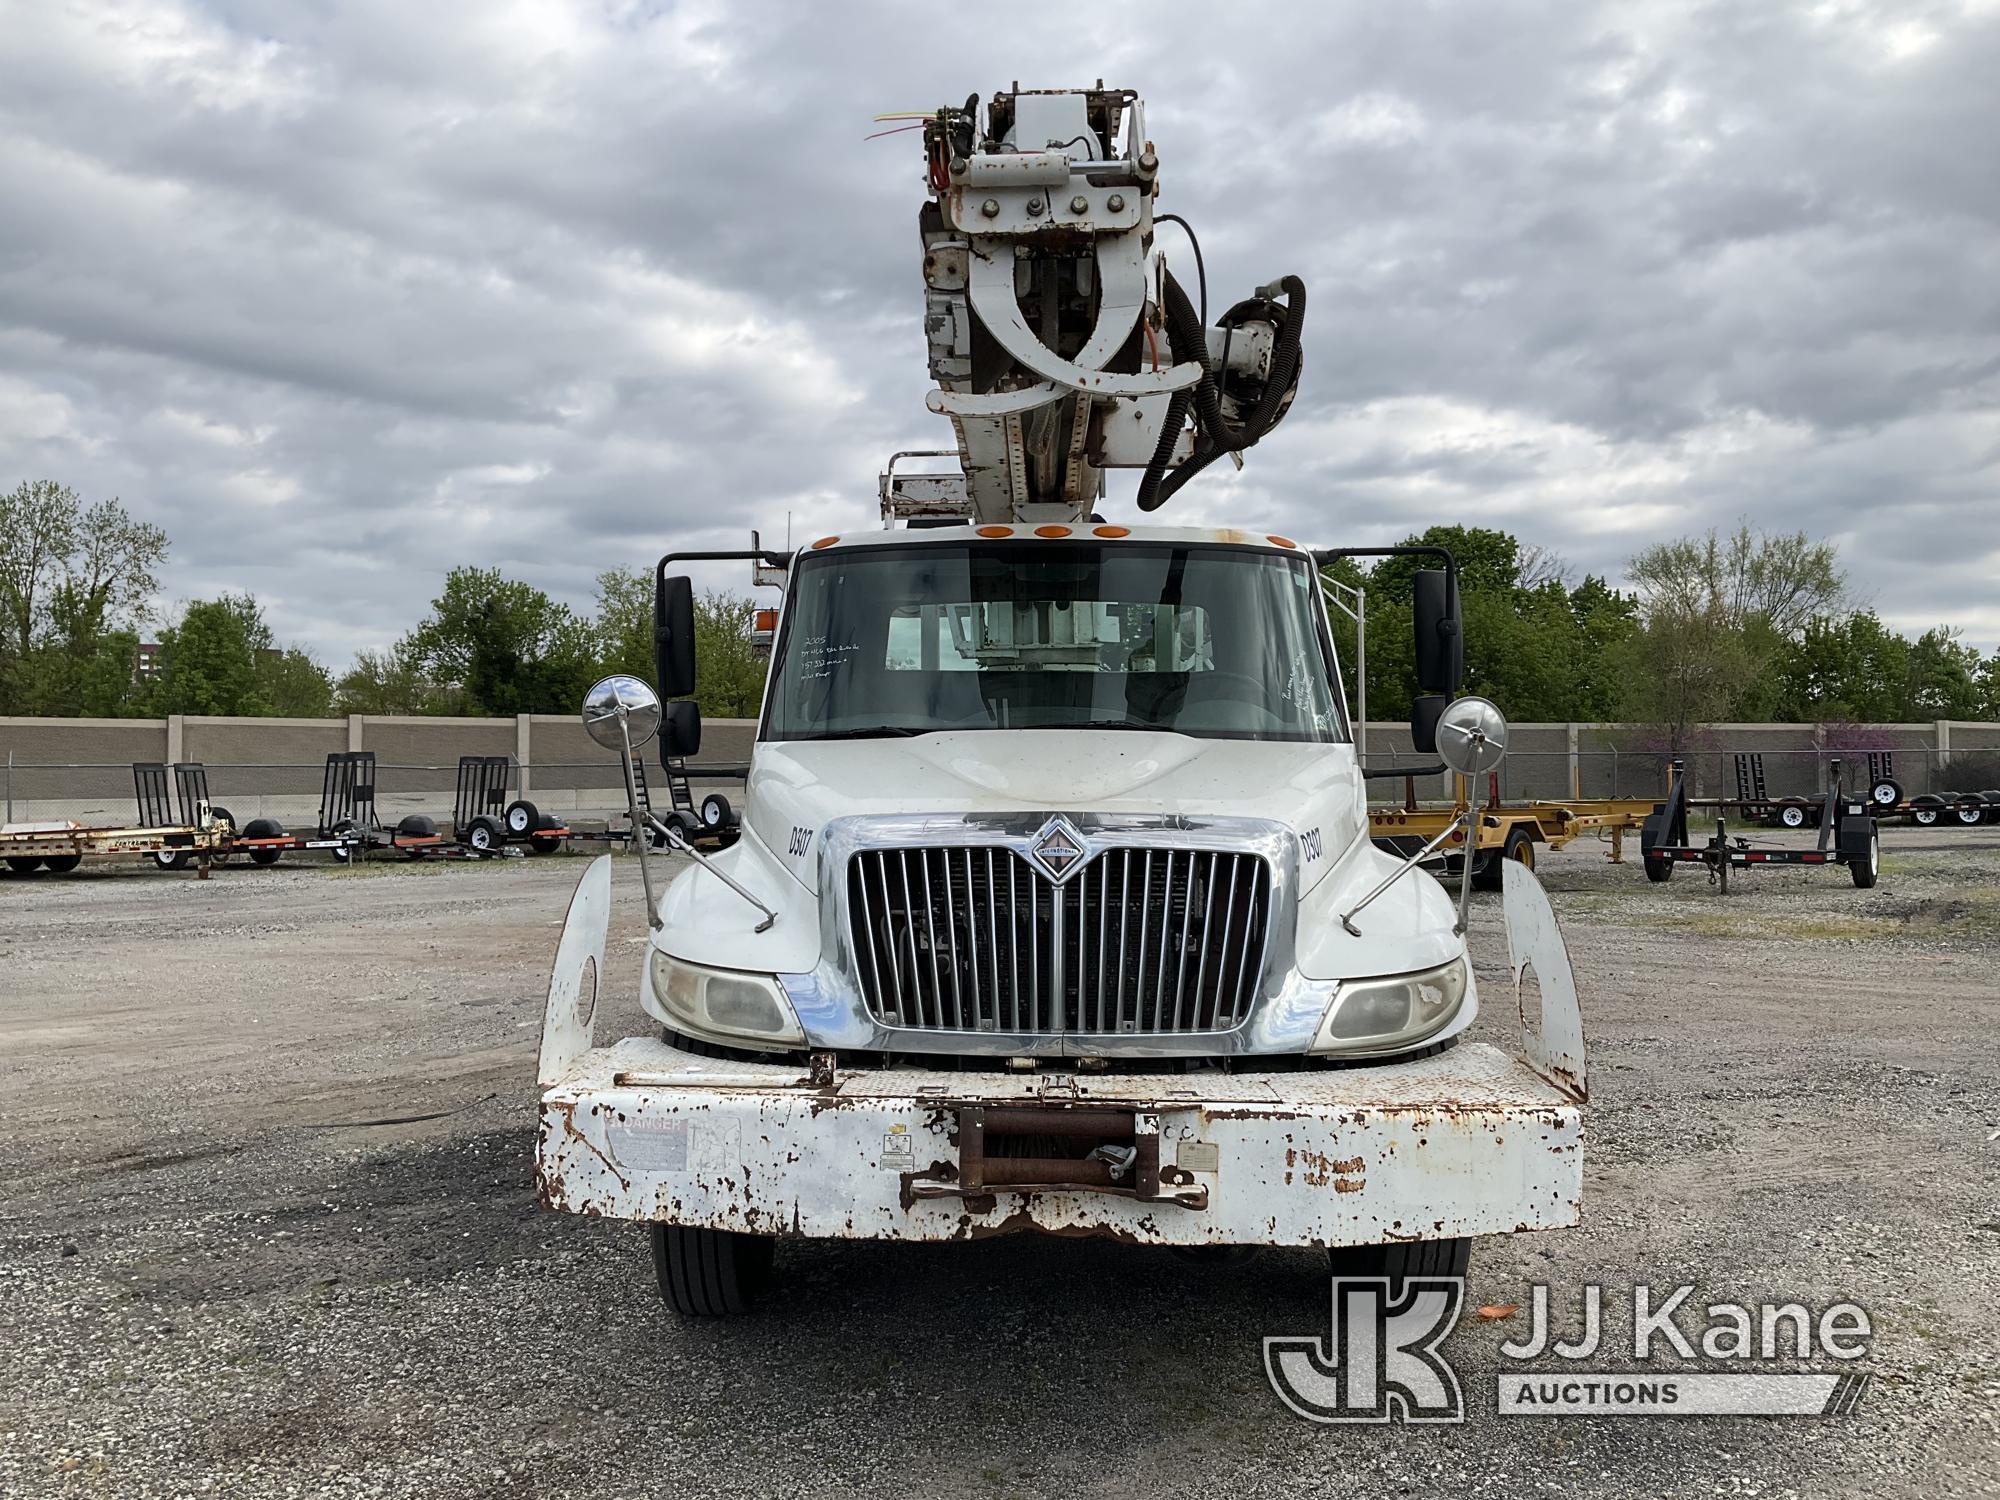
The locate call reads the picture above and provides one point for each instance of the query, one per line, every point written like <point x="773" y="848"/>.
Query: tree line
<point x="1741" y="627"/>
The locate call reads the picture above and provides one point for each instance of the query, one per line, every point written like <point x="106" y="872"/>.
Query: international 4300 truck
<point x="1054" y="906"/>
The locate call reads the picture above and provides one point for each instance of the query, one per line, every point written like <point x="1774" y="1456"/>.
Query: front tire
<point x="710" y="1273"/>
<point x="1403" y="1260"/>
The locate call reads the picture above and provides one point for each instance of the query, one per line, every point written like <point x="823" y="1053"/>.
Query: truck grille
<point x="1140" y="941"/>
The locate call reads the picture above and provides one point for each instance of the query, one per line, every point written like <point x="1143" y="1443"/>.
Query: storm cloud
<point x="345" y="295"/>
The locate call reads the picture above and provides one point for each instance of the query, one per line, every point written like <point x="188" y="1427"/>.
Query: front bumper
<point x="1465" y="1142"/>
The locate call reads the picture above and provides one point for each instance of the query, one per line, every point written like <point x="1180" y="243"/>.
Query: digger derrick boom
<point x="1061" y="344"/>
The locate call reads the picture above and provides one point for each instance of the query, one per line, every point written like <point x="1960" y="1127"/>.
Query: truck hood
<point x="797" y="787"/>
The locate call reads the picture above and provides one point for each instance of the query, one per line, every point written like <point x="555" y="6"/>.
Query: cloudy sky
<point x="343" y="294"/>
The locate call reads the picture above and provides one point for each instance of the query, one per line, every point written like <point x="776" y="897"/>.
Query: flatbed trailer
<point x="1504" y="831"/>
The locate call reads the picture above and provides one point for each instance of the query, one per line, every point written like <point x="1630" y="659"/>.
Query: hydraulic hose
<point x="1215" y="434"/>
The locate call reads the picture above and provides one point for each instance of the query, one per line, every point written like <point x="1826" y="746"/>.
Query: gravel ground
<point x="231" y="1261"/>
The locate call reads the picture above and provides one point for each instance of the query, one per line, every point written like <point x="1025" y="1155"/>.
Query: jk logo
<point x="1379" y="1359"/>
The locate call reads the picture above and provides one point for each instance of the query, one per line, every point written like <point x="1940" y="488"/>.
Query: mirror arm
<point x="1464" y="816"/>
<point x="1378" y="772"/>
<point x="673" y="837"/>
<point x="653" y="919"/>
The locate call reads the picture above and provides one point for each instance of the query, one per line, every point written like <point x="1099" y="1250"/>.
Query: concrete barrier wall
<point x="80" y="768"/>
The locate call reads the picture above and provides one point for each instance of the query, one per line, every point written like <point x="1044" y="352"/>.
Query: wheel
<point x="1867" y="871"/>
<point x="172" y="859"/>
<point x="1404" y="1259"/>
<point x="1885" y="793"/>
<point x="544" y="845"/>
<point x="61" y="864"/>
<point x="485" y="835"/>
<point x="521" y="819"/>
<point x="264" y="828"/>
<point x="25" y="864"/>
<point x="1793" y="815"/>
<point x="417" y="826"/>
<point x="222" y="815"/>
<point x="1659" y="869"/>
<point x="1926" y="810"/>
<point x="1487" y="871"/>
<point x="710" y="1273"/>
<point x="716" y="812"/>
<point x="1970" y="809"/>
<point x="342" y="853"/>
<point x="1992" y="806"/>
<point x="683" y="824"/>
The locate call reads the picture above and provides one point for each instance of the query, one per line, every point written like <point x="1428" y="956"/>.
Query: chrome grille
<point x="1139" y="941"/>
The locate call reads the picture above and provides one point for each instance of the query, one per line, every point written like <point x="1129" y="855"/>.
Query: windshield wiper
<point x="1103" y="724"/>
<point x="872" y="732"/>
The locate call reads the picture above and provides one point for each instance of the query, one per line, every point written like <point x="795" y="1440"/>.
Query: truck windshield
<point x="1215" y="641"/>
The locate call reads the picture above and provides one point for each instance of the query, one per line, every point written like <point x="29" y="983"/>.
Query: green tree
<point x="494" y="645"/>
<point x="1718" y="616"/>
<point x="293" y="685"/>
<point x="1943" y="678"/>
<point x="1539" y="649"/>
<point x="729" y="672"/>
<point x="208" y="659"/>
<point x="74" y="582"/>
<point x="386" y="682"/>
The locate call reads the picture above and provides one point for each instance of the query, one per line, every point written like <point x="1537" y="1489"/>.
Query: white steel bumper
<point x="1463" y="1143"/>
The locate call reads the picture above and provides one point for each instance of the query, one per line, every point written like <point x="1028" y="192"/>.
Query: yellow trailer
<point x="1506" y="831"/>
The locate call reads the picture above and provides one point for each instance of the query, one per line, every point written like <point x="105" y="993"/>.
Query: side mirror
<point x="1440" y="636"/>
<point x="619" y="697"/>
<point x="680" y="730"/>
<point x="1424" y="713"/>
<point x="673" y="635"/>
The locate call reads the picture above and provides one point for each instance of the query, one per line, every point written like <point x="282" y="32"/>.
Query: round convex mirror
<point x="641" y="707"/>
<point x="1471" y="736"/>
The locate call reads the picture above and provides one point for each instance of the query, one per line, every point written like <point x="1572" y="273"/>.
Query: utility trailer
<point x="347" y="812"/>
<point x="1502" y="831"/>
<point x="1885" y="799"/>
<point x="485" y="820"/>
<point x="1848" y="835"/>
<point x="197" y="834"/>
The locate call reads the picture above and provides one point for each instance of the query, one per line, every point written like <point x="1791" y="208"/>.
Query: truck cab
<point x="1055" y="910"/>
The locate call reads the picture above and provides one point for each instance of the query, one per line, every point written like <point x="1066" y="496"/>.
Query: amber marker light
<point x="1112" y="531"/>
<point x="1051" y="531"/>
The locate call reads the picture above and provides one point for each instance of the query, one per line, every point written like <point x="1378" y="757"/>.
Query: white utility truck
<point x="1054" y="906"/>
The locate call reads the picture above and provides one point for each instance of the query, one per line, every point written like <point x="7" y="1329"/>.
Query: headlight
<point x="1378" y="1015"/>
<point x="723" y="1003"/>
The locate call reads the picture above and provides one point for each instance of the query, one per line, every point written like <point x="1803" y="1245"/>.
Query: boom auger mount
<point x="1061" y="344"/>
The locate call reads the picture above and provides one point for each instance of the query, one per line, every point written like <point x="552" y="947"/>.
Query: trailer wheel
<point x="417" y="826"/>
<point x="1885" y="793"/>
<point x="61" y="864"/>
<point x="682" y="824"/>
<point x="1403" y="1260"/>
<point x="1487" y="871"/>
<point x="1992" y="806"/>
<point x="1926" y="810"/>
<point x="484" y="835"/>
<point x="342" y="853"/>
<point x="1970" y="810"/>
<point x="545" y="845"/>
<point x="1867" y="871"/>
<point x="1659" y="869"/>
<point x="716" y="811"/>
<point x="172" y="859"/>
<point x="710" y="1273"/>
<point x="1793" y="814"/>
<point x="24" y="864"/>
<point x="521" y="819"/>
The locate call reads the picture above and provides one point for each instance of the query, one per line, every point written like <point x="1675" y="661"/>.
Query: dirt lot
<point x="267" y="1225"/>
